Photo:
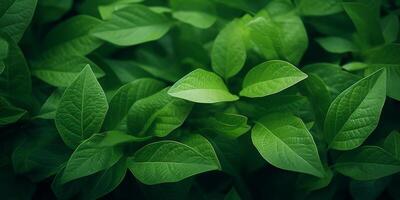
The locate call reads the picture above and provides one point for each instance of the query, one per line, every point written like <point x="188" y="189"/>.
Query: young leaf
<point x="228" y="54"/>
<point x="157" y="115"/>
<point x="126" y="96"/>
<point x="61" y="71"/>
<point x="199" y="13"/>
<point x="284" y="141"/>
<point x="337" y="44"/>
<point x="171" y="161"/>
<point x="367" y="163"/>
<point x="82" y="109"/>
<point x="16" y="17"/>
<point x="269" y="78"/>
<point x="71" y="37"/>
<point x="133" y="25"/>
<point x="201" y="86"/>
<point x="355" y="113"/>
<point x="99" y="152"/>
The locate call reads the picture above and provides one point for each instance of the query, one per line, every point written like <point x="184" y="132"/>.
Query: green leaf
<point x="228" y="54"/>
<point x="126" y="96"/>
<point x="228" y="124"/>
<point x="201" y="86"/>
<point x="390" y="26"/>
<point x="366" y="21"/>
<point x="61" y="71"/>
<point x="368" y="190"/>
<point x="15" y="80"/>
<point x="199" y="13"/>
<point x="71" y="37"/>
<point x="16" y="18"/>
<point x="52" y="10"/>
<point x="232" y="195"/>
<point x="41" y="154"/>
<point x="82" y="109"/>
<point x="276" y="36"/>
<point x="284" y="141"/>
<point x="392" y="144"/>
<point x="355" y="113"/>
<point x="367" y="163"/>
<point x="8" y="113"/>
<point x="269" y="78"/>
<point x="157" y="115"/>
<point x="337" y="44"/>
<point x="133" y="25"/>
<point x="99" y="152"/>
<point x="318" y="8"/>
<point x="171" y="161"/>
<point x="49" y="108"/>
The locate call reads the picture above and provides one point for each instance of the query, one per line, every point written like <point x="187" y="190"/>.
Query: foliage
<point x="199" y="99"/>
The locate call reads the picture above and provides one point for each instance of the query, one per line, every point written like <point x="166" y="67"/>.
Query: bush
<point x="199" y="99"/>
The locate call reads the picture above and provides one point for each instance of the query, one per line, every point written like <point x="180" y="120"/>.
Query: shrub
<point x="199" y="99"/>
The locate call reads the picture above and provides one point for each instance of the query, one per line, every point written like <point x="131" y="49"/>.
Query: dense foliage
<point x="199" y="99"/>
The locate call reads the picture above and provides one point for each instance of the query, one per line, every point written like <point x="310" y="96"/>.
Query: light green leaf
<point x="82" y="109"/>
<point x="202" y="86"/>
<point x="126" y="96"/>
<point x="228" y="54"/>
<point x="276" y="36"/>
<point x="171" y="161"/>
<point x="269" y="78"/>
<point x="367" y="163"/>
<point x="284" y="141"/>
<point x="337" y="44"/>
<point x="16" y="17"/>
<point x="99" y="152"/>
<point x="8" y="113"/>
<point x="199" y="13"/>
<point x="71" y="37"/>
<point x="133" y="25"/>
<point x="318" y="8"/>
<point x="61" y="71"/>
<point x="392" y="144"/>
<point x="355" y="113"/>
<point x="366" y="21"/>
<point x="157" y="115"/>
<point x="354" y="66"/>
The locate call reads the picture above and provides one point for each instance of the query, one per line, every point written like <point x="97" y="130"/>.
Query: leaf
<point x="71" y="37"/>
<point x="126" y="96"/>
<point x="276" y="36"/>
<point x="318" y="8"/>
<point x="171" y="161"/>
<point x="16" y="17"/>
<point x="201" y="86"/>
<point x="52" y="10"/>
<point x="49" y="108"/>
<point x="133" y="25"/>
<point x="392" y="144"/>
<point x="199" y="13"/>
<point x="355" y="113"/>
<point x="269" y="78"/>
<point x="337" y="44"/>
<point x="366" y="21"/>
<point x="228" y="54"/>
<point x="368" y="190"/>
<point x="390" y="28"/>
<point x="41" y="154"/>
<point x="367" y="163"/>
<point x="232" y="195"/>
<point x="284" y="141"/>
<point x="82" y="109"/>
<point x="15" y="80"/>
<point x="228" y="124"/>
<point x="99" y="152"/>
<point x="8" y="113"/>
<point x="157" y="115"/>
<point x="60" y="72"/>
